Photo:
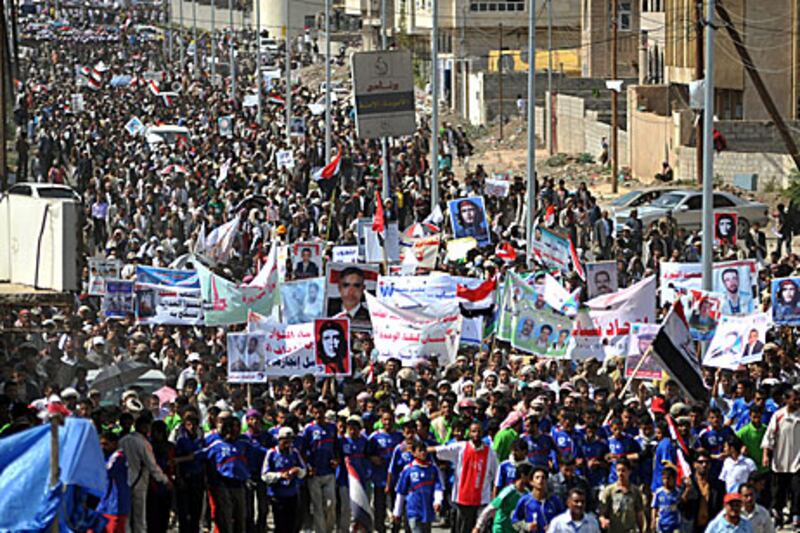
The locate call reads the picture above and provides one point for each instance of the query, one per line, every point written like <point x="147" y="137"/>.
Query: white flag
<point x="219" y="243"/>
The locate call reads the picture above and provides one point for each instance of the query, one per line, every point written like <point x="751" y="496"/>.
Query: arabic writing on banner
<point x="226" y="303"/>
<point x="291" y="348"/>
<point x="100" y="270"/>
<point x="602" y="328"/>
<point x="420" y="251"/>
<point x="552" y="250"/>
<point x="409" y="292"/>
<point x="168" y="296"/>
<point x="734" y="280"/>
<point x="642" y="336"/>
<point x="739" y="340"/>
<point x="411" y="336"/>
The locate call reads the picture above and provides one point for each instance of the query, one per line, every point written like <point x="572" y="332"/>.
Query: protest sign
<point x="433" y="332"/>
<point x="602" y="328"/>
<point x="421" y="251"/>
<point x="786" y="301"/>
<point x="739" y="340"/>
<point x="641" y="337"/>
<point x="496" y="187"/>
<point x="410" y="292"/>
<point x="250" y="100"/>
<point x="552" y="250"/>
<point x="332" y="345"/>
<point x="226" y="303"/>
<point x="297" y="126"/>
<point x="246" y="358"/>
<point x="704" y="312"/>
<point x="306" y="259"/>
<point x="270" y="76"/>
<point x="345" y="289"/>
<point x="168" y="296"/>
<point x="734" y="280"/>
<point x="601" y="278"/>
<point x="285" y="159"/>
<point x="725" y="228"/>
<point x="77" y="104"/>
<point x="303" y="300"/>
<point x="225" y="126"/>
<point x="100" y="270"/>
<point x="457" y="249"/>
<point x="134" y="126"/>
<point x="373" y="250"/>
<point x="468" y="219"/>
<point x="118" y="299"/>
<point x="290" y="351"/>
<point x="345" y="254"/>
<point x="472" y="331"/>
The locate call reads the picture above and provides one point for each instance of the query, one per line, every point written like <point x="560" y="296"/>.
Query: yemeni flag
<point x="506" y="252"/>
<point x="360" y="508"/>
<point x="684" y="470"/>
<point x="153" y="86"/>
<point x="276" y="99"/>
<point x="674" y="348"/>
<point x="95" y="79"/>
<point x="329" y="171"/>
<point x="378" y="219"/>
<point x="477" y="294"/>
<point x="576" y="261"/>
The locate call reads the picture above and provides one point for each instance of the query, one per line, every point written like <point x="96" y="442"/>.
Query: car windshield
<point x="55" y="192"/>
<point x="625" y="198"/>
<point x="669" y="199"/>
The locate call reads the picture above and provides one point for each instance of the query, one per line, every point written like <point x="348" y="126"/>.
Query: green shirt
<point x="172" y="421"/>
<point x="751" y="437"/>
<point x="503" y="441"/>
<point x="505" y="503"/>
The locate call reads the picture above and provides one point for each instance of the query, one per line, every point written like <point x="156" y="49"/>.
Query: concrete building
<point x="371" y="23"/>
<point x="273" y="15"/>
<point x="770" y="32"/>
<point x="596" y="40"/>
<point x="653" y="37"/>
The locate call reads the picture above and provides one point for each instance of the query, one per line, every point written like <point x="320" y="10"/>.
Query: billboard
<point x="383" y="86"/>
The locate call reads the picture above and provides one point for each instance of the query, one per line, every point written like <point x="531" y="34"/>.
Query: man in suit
<point x="754" y="346"/>
<point x="305" y="268"/>
<point x="604" y="236"/>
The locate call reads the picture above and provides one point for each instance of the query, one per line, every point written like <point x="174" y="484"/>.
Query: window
<point x="625" y="16"/>
<point x="23" y="190"/>
<point x="722" y="201"/>
<point x="497" y="5"/>
<point x="695" y="202"/>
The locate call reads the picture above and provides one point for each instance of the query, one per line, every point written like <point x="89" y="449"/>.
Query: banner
<point x="739" y="340"/>
<point x="303" y="300"/>
<point x="100" y="270"/>
<point x="168" y="296"/>
<point x="412" y="292"/>
<point x="246" y="358"/>
<point x="285" y="159"/>
<point x="421" y="251"/>
<point x="601" y="278"/>
<point x="226" y="303"/>
<point x="306" y="259"/>
<point x="472" y="331"/>
<point x="704" y="312"/>
<point x="734" y="280"/>
<point x="786" y="301"/>
<point x="345" y="254"/>
<point x="118" y="300"/>
<point x="345" y="290"/>
<point x="332" y="346"/>
<point x="411" y="336"/>
<point x="725" y="228"/>
<point x="602" y="328"/>
<point x="373" y="251"/>
<point x="457" y="249"/>
<point x="642" y="336"/>
<point x="551" y="250"/>
<point x="291" y="350"/>
<point x="468" y="219"/>
<point x="496" y="187"/>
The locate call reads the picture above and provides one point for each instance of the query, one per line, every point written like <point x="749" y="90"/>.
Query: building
<point x="371" y="20"/>
<point x="273" y="15"/>
<point x="597" y="41"/>
<point x="653" y="37"/>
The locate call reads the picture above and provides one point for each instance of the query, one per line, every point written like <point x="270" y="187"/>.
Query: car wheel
<point x="742" y="228"/>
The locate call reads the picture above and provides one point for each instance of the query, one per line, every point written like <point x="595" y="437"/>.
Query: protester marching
<point x="263" y="342"/>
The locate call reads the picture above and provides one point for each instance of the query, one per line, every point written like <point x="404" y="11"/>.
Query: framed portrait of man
<point x="332" y="345"/>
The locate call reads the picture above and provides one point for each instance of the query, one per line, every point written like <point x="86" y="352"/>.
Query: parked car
<point x="686" y="207"/>
<point x="636" y="198"/>
<point x="45" y="190"/>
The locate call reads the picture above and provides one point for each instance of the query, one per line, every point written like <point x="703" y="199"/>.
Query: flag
<point x="559" y="298"/>
<point x="226" y="303"/>
<point x="360" y="508"/>
<point x="481" y="292"/>
<point x="674" y="348"/>
<point x="218" y="244"/>
<point x="378" y="220"/>
<point x="276" y="99"/>
<point x="153" y="86"/>
<point x="95" y="79"/>
<point x="167" y="98"/>
<point x="436" y="217"/>
<point x="420" y="229"/>
<point x="329" y="171"/>
<point x="199" y="247"/>
<point x="268" y="274"/>
<point x="550" y="216"/>
<point x="506" y="252"/>
<point x="684" y="470"/>
<point x="576" y="261"/>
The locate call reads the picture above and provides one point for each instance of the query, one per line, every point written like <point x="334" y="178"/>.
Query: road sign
<point x="383" y="84"/>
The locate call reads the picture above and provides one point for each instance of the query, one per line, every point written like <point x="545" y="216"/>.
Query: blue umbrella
<point x="121" y="80"/>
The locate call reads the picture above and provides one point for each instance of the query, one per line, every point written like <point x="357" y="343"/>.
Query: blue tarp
<point x="27" y="501"/>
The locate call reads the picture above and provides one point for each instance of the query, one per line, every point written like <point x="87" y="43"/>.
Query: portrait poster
<point x="736" y="281"/>
<point x="641" y="337"/>
<point x="739" y="340"/>
<point x="552" y="250"/>
<point x="289" y="350"/>
<point x="601" y="278"/>
<point x="297" y="127"/>
<point x="345" y="287"/>
<point x="100" y="270"/>
<point x="332" y="345"/>
<point x="468" y="219"/>
<point x="168" y="296"/>
<point x="786" y="301"/>
<point x="118" y="301"/>
<point x="705" y="309"/>
<point x="246" y="358"/>
<point x="306" y="259"/>
<point x="725" y="228"/>
<point x="303" y="300"/>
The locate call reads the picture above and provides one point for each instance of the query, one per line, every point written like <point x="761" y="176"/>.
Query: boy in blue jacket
<point x="282" y="471"/>
<point x="419" y="489"/>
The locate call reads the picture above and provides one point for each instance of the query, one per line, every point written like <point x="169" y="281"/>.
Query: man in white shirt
<point x="781" y="445"/>
<point x="759" y="517"/>
<point x="737" y="467"/>
<point x="575" y="518"/>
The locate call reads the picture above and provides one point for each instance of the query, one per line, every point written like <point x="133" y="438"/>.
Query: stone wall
<point x="773" y="169"/>
<point x="580" y="130"/>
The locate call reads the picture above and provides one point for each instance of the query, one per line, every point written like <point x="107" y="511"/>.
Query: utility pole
<point x="698" y="74"/>
<point x="708" y="156"/>
<point x="259" y="81"/>
<point x="180" y="34"/>
<point x="614" y="103"/>
<point x="328" y="81"/>
<point x="549" y="106"/>
<point x="213" y="39"/>
<point x="196" y="57"/>
<point x="3" y="98"/>
<point x="500" y="82"/>
<point x="386" y="189"/>
<point x="288" y="59"/>
<point x="435" y="106"/>
<point x="232" y="53"/>
<point x="171" y="26"/>
<point x="758" y="83"/>
<point x="531" y="109"/>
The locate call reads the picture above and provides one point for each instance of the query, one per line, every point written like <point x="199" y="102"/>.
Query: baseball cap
<point x="285" y="433"/>
<point x="733" y="497"/>
<point x="193" y="357"/>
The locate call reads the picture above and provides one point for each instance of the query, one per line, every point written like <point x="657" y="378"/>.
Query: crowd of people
<point x="494" y="439"/>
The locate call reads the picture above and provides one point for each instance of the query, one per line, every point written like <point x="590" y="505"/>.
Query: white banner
<point x="285" y="159"/>
<point x="100" y="270"/>
<point x="345" y="254"/>
<point x="411" y="336"/>
<point x="602" y="328"/>
<point x="290" y="349"/>
<point x="733" y="279"/>
<point x="372" y="246"/>
<point x="472" y="331"/>
<point x="411" y="292"/>
<point x="174" y="306"/>
<point x="739" y="340"/>
<point x="421" y="251"/>
<point x="498" y="188"/>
